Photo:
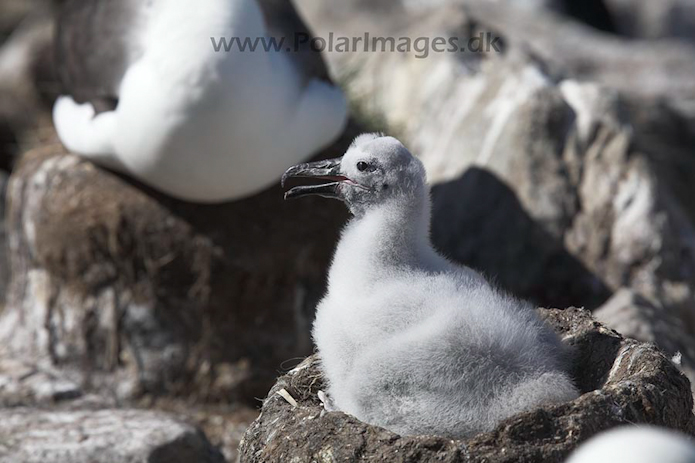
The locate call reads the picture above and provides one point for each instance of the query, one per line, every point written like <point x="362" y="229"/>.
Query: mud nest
<point x="622" y="382"/>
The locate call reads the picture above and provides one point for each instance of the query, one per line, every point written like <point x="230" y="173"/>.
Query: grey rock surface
<point x="567" y="47"/>
<point x="13" y="12"/>
<point x="108" y="436"/>
<point x="27" y="386"/>
<point x="654" y="20"/>
<point x="622" y="381"/>
<point x="639" y="318"/>
<point x="23" y="384"/>
<point x="644" y="69"/>
<point x="555" y="5"/>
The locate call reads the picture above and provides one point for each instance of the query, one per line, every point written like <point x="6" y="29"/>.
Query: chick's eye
<point x="362" y="166"/>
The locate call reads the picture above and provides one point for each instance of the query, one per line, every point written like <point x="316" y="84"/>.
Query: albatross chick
<point x="408" y="340"/>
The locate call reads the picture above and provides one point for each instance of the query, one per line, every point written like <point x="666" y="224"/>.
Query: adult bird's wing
<point x="282" y="20"/>
<point x="95" y="43"/>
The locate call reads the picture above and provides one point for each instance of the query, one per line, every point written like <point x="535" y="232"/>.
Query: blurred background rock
<point x="563" y="168"/>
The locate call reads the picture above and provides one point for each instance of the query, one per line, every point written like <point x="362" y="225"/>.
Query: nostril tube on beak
<point x="328" y="169"/>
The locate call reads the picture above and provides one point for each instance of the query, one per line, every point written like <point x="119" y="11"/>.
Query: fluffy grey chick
<point x="408" y="340"/>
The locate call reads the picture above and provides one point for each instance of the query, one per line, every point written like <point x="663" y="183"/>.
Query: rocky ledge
<point x="108" y="436"/>
<point x="622" y="381"/>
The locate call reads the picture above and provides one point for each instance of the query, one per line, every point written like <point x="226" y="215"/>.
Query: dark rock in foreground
<point x="4" y="264"/>
<point x="44" y="398"/>
<point x="623" y="381"/>
<point x="108" y="436"/>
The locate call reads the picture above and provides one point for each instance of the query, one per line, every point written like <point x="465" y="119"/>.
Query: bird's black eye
<point x="362" y="166"/>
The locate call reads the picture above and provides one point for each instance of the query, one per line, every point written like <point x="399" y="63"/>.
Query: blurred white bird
<point x="636" y="444"/>
<point x="408" y="340"/>
<point x="151" y="91"/>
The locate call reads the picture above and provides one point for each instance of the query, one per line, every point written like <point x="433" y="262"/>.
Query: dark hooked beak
<point x="324" y="170"/>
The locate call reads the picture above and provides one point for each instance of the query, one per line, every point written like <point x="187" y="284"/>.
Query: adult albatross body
<point x="408" y="340"/>
<point x="148" y="94"/>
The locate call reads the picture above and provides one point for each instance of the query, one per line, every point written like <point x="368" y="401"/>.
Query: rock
<point x="13" y="12"/>
<point x="567" y="48"/>
<point x="23" y="385"/>
<point x="654" y="20"/>
<point x="622" y="381"/>
<point x="646" y="69"/>
<point x="479" y="220"/>
<point x="641" y="319"/>
<point x="555" y="5"/>
<point x="635" y="227"/>
<point x="108" y="436"/>
<point x="28" y="85"/>
<point x="223" y="424"/>
<point x="34" y="387"/>
<point x="130" y="292"/>
<point x="4" y="261"/>
<point x="8" y="145"/>
<point x="593" y="13"/>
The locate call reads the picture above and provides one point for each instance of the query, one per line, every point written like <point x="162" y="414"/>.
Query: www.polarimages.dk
<point x="484" y="42"/>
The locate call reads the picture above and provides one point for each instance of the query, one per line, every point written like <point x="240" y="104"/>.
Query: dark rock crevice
<point x="593" y="13"/>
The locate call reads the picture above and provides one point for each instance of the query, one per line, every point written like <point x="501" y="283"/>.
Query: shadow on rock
<point x="478" y="221"/>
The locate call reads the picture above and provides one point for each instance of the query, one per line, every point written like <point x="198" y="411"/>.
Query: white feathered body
<point x="418" y="345"/>
<point x="201" y="124"/>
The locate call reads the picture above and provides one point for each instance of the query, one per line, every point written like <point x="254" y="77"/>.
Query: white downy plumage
<point x="196" y="123"/>
<point x="636" y="444"/>
<point x="408" y="340"/>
